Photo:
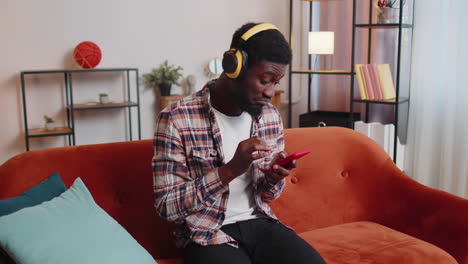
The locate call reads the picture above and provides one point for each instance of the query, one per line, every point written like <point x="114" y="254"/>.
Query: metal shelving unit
<point x="310" y="72"/>
<point x="71" y="106"/>
<point x="403" y="99"/>
<point x="396" y="104"/>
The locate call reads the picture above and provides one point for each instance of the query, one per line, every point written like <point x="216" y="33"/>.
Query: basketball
<point x="87" y="54"/>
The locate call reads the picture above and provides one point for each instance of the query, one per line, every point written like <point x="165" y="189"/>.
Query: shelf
<point x="390" y="25"/>
<point x="335" y="72"/>
<point x="96" y="105"/>
<point x="80" y="70"/>
<point x="42" y="132"/>
<point x="127" y="101"/>
<point x="388" y="101"/>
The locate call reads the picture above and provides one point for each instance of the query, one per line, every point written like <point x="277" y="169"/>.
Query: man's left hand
<point x="275" y="173"/>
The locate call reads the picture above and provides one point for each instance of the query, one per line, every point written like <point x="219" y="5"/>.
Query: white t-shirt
<point x="241" y="203"/>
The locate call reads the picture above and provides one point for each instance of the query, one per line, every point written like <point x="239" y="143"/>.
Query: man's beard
<point x="245" y="106"/>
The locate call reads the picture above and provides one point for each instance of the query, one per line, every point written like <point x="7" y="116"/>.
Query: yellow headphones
<point x="235" y="59"/>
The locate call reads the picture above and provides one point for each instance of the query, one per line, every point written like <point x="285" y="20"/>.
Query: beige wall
<point x="38" y="35"/>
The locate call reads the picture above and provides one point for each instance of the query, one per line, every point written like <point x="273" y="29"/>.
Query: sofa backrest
<point x="118" y="175"/>
<point x="329" y="186"/>
<point x="335" y="183"/>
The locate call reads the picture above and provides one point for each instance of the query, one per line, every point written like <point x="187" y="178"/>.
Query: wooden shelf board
<point x="42" y="132"/>
<point x="392" y="25"/>
<point x="97" y="105"/>
<point x="323" y="71"/>
<point x="173" y="97"/>
<point x="388" y="101"/>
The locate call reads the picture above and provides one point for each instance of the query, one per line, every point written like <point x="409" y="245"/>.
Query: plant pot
<point x="388" y="16"/>
<point x="104" y="99"/>
<point x="165" y="89"/>
<point x="50" y="126"/>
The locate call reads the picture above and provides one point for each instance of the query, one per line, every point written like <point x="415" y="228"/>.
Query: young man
<point x="214" y="154"/>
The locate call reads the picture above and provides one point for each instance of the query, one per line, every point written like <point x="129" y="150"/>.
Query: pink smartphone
<point x="292" y="157"/>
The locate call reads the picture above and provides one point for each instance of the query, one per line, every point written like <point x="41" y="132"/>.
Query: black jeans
<point x="260" y="241"/>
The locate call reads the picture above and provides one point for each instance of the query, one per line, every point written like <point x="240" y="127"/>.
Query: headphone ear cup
<point x="233" y="63"/>
<point x="230" y="61"/>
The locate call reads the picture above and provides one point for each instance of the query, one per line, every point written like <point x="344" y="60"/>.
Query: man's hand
<point x="247" y="151"/>
<point x="275" y="173"/>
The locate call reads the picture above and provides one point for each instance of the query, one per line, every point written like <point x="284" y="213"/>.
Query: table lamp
<point x="321" y="42"/>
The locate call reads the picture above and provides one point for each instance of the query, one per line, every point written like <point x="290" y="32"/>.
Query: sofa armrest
<point x="432" y="215"/>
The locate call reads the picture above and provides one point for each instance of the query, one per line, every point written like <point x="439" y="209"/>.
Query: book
<point x="384" y="135"/>
<point x="377" y="133"/>
<point x="389" y="137"/>
<point x="360" y="80"/>
<point x="362" y="127"/>
<point x="380" y="133"/>
<point x="363" y="82"/>
<point x="367" y="80"/>
<point x="386" y="81"/>
<point x="400" y="162"/>
<point x="375" y="80"/>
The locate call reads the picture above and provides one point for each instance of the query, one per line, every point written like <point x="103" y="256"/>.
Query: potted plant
<point x="163" y="77"/>
<point x="49" y="123"/>
<point x="104" y="98"/>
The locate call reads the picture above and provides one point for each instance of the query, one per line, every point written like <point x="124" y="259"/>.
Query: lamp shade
<point x="322" y="42"/>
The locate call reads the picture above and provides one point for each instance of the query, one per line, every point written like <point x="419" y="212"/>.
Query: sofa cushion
<point x="368" y="242"/>
<point x="70" y="228"/>
<point x="44" y="191"/>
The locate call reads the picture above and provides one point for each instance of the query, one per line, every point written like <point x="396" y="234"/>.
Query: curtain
<point x="437" y="151"/>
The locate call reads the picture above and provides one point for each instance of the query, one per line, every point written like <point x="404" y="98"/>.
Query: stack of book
<point x="384" y="135"/>
<point x="375" y="81"/>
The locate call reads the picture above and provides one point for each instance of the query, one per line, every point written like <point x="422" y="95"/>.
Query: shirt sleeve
<point x="269" y="193"/>
<point x="177" y="193"/>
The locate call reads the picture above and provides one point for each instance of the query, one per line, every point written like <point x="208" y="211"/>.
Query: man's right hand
<point x="247" y="151"/>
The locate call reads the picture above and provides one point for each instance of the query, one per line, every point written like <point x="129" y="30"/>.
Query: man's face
<point x="258" y="85"/>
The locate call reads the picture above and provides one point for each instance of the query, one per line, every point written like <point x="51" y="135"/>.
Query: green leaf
<point x="165" y="73"/>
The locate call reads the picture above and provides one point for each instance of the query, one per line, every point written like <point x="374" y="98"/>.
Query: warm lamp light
<point x="322" y="42"/>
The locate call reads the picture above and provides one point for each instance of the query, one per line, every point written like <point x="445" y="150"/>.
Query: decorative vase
<point x="388" y="15"/>
<point x="165" y="89"/>
<point x="50" y="126"/>
<point x="104" y="99"/>
<point x="191" y="81"/>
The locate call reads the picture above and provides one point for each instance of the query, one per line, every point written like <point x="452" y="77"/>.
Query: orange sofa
<point x="346" y="198"/>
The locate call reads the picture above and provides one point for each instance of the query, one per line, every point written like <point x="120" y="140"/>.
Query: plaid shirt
<point x="188" y="152"/>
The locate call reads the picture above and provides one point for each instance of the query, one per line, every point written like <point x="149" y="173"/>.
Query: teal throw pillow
<point x="44" y="191"/>
<point x="70" y="228"/>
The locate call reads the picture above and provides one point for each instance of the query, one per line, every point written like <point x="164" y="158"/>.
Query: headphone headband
<point x="235" y="59"/>
<point x="256" y="29"/>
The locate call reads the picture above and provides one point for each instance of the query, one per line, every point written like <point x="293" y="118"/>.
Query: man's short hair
<point x="267" y="45"/>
